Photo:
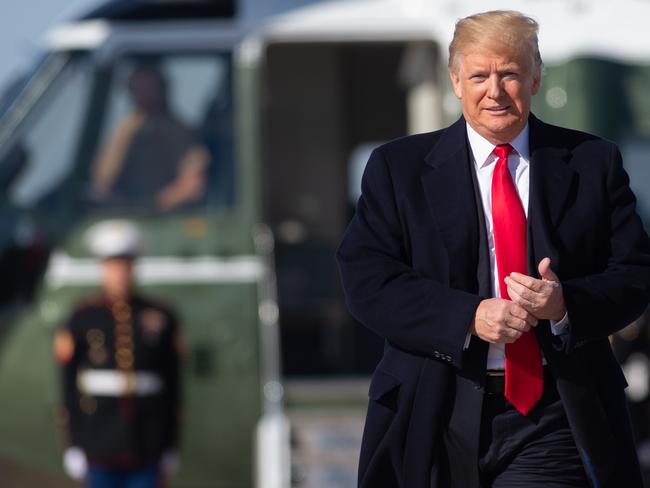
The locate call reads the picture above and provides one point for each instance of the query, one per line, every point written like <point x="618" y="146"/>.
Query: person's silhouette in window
<point x="151" y="159"/>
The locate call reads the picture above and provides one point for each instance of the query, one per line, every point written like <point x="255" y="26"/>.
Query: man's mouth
<point x="498" y="109"/>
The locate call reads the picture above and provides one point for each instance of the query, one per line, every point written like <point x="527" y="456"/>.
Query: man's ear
<point x="455" y="81"/>
<point x="537" y="81"/>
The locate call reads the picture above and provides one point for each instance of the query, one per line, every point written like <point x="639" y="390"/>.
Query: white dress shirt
<point x="484" y="162"/>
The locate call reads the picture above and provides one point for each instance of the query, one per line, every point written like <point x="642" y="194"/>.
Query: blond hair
<point x="496" y="29"/>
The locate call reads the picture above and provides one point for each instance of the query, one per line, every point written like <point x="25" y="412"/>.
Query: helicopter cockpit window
<point x="38" y="156"/>
<point x="166" y="142"/>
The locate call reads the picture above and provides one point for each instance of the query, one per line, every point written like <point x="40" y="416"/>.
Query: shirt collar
<point x="482" y="148"/>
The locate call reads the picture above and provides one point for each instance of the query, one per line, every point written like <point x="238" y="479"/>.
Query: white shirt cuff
<point x="559" y="328"/>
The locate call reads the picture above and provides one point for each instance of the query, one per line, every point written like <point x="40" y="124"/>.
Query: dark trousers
<point x="536" y="450"/>
<point x="100" y="477"/>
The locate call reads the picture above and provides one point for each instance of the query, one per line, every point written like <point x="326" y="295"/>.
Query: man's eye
<point x="477" y="77"/>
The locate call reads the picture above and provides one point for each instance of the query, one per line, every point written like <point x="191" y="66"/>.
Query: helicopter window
<point x="41" y="153"/>
<point x="167" y="137"/>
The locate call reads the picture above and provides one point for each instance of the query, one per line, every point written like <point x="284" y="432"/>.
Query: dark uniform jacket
<point x="410" y="268"/>
<point x="133" y="426"/>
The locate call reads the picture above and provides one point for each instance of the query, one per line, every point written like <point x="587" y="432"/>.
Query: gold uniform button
<point x="95" y="337"/>
<point x="122" y="315"/>
<point x="124" y="342"/>
<point x="98" y="355"/>
<point x="123" y="353"/>
<point x="125" y="365"/>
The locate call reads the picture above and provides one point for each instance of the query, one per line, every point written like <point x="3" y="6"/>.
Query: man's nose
<point x="494" y="89"/>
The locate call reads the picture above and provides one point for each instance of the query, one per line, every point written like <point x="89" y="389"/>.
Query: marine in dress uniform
<point x="119" y="354"/>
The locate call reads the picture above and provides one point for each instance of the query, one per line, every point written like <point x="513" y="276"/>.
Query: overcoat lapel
<point x="448" y="189"/>
<point x="551" y="182"/>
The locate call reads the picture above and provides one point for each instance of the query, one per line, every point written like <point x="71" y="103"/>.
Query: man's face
<point x="495" y="88"/>
<point x="118" y="276"/>
<point x="147" y="90"/>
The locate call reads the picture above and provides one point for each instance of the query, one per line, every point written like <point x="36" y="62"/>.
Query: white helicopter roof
<point x="568" y="28"/>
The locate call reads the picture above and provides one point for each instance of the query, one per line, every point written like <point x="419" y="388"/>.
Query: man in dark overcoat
<point x="495" y="257"/>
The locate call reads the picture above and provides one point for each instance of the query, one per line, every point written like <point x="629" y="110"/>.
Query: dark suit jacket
<point x="409" y="263"/>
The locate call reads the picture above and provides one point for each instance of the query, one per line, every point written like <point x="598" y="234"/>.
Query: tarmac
<point x="15" y="476"/>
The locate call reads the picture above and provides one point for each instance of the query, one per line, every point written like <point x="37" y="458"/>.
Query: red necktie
<point x="524" y="378"/>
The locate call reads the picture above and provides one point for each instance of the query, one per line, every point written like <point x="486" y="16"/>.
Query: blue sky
<point x="22" y="26"/>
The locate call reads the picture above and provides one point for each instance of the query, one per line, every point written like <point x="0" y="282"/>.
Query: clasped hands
<point x="498" y="320"/>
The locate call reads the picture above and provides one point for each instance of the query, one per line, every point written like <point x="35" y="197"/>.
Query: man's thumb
<point x="545" y="270"/>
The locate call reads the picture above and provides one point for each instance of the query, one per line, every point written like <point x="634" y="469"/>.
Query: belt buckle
<point x="495" y="382"/>
<point x="129" y="382"/>
<point x="496" y="373"/>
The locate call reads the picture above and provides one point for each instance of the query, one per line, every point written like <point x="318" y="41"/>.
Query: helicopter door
<point x="327" y="105"/>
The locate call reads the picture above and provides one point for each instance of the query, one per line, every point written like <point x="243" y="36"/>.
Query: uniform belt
<point x="108" y="382"/>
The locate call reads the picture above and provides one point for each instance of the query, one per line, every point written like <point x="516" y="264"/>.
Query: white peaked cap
<point x="113" y="238"/>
